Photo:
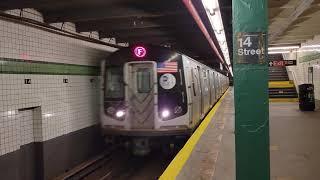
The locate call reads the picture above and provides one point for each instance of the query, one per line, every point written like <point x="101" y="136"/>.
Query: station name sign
<point x="250" y="47"/>
<point x="282" y="63"/>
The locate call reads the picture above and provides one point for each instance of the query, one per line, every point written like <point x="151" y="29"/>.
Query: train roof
<point x="145" y="52"/>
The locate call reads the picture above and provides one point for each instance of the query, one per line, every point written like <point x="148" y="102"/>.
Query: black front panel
<point x="172" y="97"/>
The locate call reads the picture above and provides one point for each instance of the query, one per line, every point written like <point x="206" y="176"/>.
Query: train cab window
<point x="144" y="80"/>
<point x="114" y="83"/>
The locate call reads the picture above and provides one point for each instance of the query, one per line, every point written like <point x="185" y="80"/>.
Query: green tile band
<point x="310" y="57"/>
<point x="18" y="66"/>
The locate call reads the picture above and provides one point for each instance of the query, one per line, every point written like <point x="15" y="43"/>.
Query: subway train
<point x="152" y="95"/>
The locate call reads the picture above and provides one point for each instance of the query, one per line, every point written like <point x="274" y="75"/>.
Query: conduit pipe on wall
<point x="192" y="10"/>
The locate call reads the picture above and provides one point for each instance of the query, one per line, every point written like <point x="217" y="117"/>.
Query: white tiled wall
<point x="299" y="73"/>
<point x="27" y="13"/>
<point x="65" y="107"/>
<point x="60" y="108"/>
<point x="24" y="42"/>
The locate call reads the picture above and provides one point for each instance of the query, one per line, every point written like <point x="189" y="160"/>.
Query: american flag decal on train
<point x="167" y="67"/>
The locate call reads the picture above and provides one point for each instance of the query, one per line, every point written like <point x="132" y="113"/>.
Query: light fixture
<point x="311" y="46"/>
<point x="214" y="15"/>
<point x="278" y="52"/>
<point x="283" y="48"/>
<point x="48" y="115"/>
<point x="165" y="113"/>
<point x="307" y="50"/>
<point x="10" y="113"/>
<point x="120" y="113"/>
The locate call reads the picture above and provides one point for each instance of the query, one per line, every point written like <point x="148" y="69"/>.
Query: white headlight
<point x="165" y="113"/>
<point x="120" y="113"/>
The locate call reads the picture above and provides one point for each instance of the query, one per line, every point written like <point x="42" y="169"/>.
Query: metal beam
<point x="204" y="30"/>
<point x="132" y="23"/>
<point x="136" y="33"/>
<point x="56" y="4"/>
<point x="142" y="38"/>
<point x="279" y="26"/>
<point x="149" y="32"/>
<point x="104" y="12"/>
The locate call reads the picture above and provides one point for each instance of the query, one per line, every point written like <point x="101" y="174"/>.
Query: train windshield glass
<point x="114" y="83"/>
<point x="143" y="80"/>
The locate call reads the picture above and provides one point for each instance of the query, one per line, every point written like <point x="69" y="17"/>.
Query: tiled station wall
<point x="49" y="85"/>
<point x="306" y="59"/>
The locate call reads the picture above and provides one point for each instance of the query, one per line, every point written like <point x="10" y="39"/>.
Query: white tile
<point x="64" y="107"/>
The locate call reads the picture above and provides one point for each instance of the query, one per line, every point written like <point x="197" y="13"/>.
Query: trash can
<point x="306" y="97"/>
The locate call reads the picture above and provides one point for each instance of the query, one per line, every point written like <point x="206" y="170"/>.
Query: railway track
<point x="120" y="165"/>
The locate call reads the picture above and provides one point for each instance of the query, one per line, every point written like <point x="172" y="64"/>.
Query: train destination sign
<point x="250" y="47"/>
<point x="282" y="63"/>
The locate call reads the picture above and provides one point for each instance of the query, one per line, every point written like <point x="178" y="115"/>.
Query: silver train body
<point x="153" y="93"/>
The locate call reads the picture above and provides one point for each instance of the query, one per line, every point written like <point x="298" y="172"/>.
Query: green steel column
<point x="251" y="93"/>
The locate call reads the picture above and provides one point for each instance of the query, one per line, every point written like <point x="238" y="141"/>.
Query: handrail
<point x="295" y="80"/>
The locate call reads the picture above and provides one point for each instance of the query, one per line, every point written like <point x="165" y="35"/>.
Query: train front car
<point x="144" y="97"/>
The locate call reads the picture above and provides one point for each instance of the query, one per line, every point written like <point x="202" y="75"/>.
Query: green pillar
<point x="250" y="19"/>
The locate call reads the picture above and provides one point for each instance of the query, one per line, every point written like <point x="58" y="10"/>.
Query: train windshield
<point x="114" y="83"/>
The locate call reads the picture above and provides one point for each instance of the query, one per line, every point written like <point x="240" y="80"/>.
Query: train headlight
<point x="120" y="113"/>
<point x="165" y="113"/>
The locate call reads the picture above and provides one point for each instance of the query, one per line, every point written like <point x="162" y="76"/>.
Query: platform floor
<point x="294" y="143"/>
<point x="214" y="156"/>
<point x="294" y="146"/>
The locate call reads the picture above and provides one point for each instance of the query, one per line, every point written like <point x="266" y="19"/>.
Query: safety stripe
<point x="281" y="84"/>
<point x="283" y="99"/>
<point x="181" y="158"/>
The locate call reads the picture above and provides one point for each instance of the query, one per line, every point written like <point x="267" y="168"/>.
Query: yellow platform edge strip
<point x="283" y="99"/>
<point x="183" y="155"/>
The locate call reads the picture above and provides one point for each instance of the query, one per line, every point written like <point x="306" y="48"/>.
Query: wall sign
<point x="27" y="81"/>
<point x="282" y="63"/>
<point x="250" y="47"/>
<point x="167" y="81"/>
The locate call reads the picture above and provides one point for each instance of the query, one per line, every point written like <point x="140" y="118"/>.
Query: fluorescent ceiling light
<point x="311" y="46"/>
<point x="308" y="50"/>
<point x="283" y="47"/>
<point x="278" y="52"/>
<point x="214" y="15"/>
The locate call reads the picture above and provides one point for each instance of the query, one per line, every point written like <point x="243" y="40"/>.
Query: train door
<point x="205" y="91"/>
<point x="195" y="95"/>
<point x="141" y="90"/>
<point x="212" y="90"/>
<point x="210" y="87"/>
<point x="219" y="85"/>
<point x="215" y="79"/>
<point x="200" y="91"/>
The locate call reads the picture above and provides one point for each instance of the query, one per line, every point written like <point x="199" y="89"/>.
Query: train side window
<point x="114" y="83"/>
<point x="204" y="74"/>
<point x="143" y="80"/>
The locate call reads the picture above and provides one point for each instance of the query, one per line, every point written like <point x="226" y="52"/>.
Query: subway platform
<point x="210" y="152"/>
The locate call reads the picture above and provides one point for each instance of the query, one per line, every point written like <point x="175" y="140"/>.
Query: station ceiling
<point x="293" y="21"/>
<point x="165" y="22"/>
